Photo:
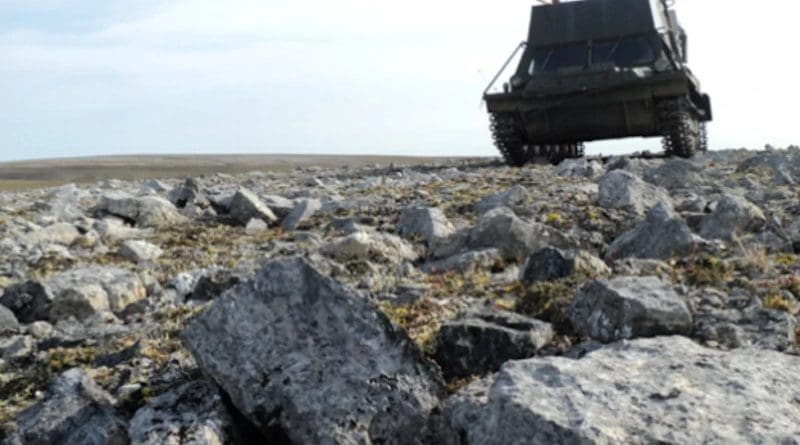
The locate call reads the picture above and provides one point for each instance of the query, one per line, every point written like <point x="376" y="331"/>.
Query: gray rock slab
<point x="294" y="350"/>
<point x="665" y="390"/>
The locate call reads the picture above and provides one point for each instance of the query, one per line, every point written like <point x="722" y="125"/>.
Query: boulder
<point x="305" y="209"/>
<point x="212" y="284"/>
<point x="369" y="246"/>
<point x="513" y="237"/>
<point x="59" y="233"/>
<point x="619" y="189"/>
<point x="75" y="410"/>
<point x="301" y="355"/>
<point x="245" y="205"/>
<point x="193" y="413"/>
<point x="731" y="216"/>
<point x="430" y="224"/>
<point x="8" y="322"/>
<point x="629" y="307"/>
<point x="28" y="300"/>
<point x="83" y="292"/>
<point x="662" y="235"/>
<point x="665" y="390"/>
<point x="480" y="341"/>
<point x="674" y="173"/>
<point x="549" y="264"/>
<point x="579" y="168"/>
<point x="793" y="231"/>
<point x="112" y="229"/>
<point x="750" y="327"/>
<point x="279" y="205"/>
<point x="188" y="193"/>
<point x="146" y="211"/>
<point x="139" y="251"/>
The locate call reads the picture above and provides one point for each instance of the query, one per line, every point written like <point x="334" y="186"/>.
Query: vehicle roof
<point x="584" y="20"/>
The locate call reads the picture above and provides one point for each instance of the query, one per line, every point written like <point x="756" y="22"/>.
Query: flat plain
<point x="33" y="174"/>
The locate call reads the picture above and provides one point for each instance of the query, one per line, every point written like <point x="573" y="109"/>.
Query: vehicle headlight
<point x="517" y="81"/>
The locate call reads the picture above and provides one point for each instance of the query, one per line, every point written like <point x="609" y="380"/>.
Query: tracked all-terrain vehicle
<point x="598" y="69"/>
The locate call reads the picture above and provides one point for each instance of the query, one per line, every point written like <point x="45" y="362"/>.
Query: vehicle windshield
<point x="551" y="60"/>
<point x="624" y="53"/>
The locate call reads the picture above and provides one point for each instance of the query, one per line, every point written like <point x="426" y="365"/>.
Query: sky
<point x="100" y="77"/>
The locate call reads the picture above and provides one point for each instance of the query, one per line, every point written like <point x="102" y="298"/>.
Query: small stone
<point x="139" y="251"/>
<point x="193" y="413"/>
<point x="255" y="226"/>
<point x="470" y="261"/>
<point x="75" y="410"/>
<point x="28" y="300"/>
<point x="8" y="322"/>
<point x="212" y="285"/>
<point x="16" y="347"/>
<point x="629" y="307"/>
<point x="514" y="197"/>
<point x="41" y="329"/>
<point x="550" y="264"/>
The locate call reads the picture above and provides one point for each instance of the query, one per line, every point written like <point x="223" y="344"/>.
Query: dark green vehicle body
<point x="600" y="69"/>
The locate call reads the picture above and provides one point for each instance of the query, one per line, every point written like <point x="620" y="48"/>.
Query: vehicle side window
<point x="624" y="53"/>
<point x="550" y="60"/>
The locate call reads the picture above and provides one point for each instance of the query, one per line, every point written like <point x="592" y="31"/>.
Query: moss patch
<point x="709" y="271"/>
<point x="549" y="301"/>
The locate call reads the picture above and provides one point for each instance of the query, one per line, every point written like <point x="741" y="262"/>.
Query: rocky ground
<point x="625" y="301"/>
